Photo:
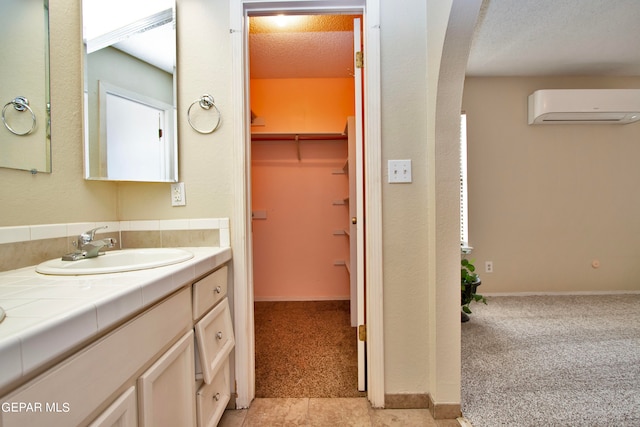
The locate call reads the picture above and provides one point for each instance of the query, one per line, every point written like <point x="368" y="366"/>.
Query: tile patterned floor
<point x="320" y="412"/>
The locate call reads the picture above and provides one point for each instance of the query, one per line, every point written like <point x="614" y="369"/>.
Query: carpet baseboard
<point x="444" y="411"/>
<point x="439" y="411"/>
<point x="406" y="401"/>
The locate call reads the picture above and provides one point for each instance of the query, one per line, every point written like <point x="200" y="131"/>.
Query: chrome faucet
<point x="87" y="247"/>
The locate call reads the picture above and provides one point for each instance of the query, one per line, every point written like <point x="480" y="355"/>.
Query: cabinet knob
<point x="354" y="220"/>
<point x="217" y="290"/>
<point x="216" y="397"/>
<point x="219" y="335"/>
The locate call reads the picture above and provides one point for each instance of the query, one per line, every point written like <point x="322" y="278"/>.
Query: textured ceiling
<point x="298" y="46"/>
<point x="557" y="37"/>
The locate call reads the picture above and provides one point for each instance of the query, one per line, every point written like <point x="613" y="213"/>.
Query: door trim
<point x="241" y="241"/>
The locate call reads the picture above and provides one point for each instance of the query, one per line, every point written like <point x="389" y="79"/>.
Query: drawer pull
<point x="219" y="335"/>
<point x="217" y="290"/>
<point x="216" y="397"/>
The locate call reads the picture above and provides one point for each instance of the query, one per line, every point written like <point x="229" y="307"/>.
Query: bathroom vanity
<point x="141" y="348"/>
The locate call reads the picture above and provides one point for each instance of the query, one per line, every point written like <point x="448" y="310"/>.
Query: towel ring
<point x="20" y="103"/>
<point x="205" y="102"/>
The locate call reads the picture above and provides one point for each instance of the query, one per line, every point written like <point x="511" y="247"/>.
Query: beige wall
<point x="546" y="201"/>
<point x="404" y="135"/>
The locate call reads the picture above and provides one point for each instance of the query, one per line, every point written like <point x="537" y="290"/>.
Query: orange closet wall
<point x="295" y="247"/>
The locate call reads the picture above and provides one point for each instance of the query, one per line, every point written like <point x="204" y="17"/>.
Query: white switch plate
<point x="399" y="171"/>
<point x="178" y="197"/>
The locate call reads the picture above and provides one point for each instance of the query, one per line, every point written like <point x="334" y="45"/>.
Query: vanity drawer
<point x="208" y="291"/>
<point x="214" y="335"/>
<point x="212" y="399"/>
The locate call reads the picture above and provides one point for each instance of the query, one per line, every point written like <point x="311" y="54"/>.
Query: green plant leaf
<point x="466" y="309"/>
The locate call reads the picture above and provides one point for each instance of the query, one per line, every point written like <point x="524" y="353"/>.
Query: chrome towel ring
<point x="206" y="102"/>
<point x="20" y="103"/>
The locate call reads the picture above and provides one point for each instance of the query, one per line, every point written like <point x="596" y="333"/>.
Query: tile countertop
<point x="48" y="315"/>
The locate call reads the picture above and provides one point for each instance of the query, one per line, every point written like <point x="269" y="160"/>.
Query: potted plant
<point x="469" y="282"/>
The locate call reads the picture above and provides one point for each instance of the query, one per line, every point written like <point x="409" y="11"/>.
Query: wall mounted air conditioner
<point x="584" y="106"/>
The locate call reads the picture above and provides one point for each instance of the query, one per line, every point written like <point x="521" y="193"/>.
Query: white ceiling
<point x="133" y="27"/>
<point x="556" y="37"/>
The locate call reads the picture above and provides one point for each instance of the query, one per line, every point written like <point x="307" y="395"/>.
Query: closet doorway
<point x="306" y="181"/>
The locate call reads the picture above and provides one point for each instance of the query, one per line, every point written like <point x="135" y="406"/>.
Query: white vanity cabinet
<point x="215" y="340"/>
<point x="142" y="371"/>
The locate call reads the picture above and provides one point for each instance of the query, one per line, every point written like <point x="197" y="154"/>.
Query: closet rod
<point x="299" y="137"/>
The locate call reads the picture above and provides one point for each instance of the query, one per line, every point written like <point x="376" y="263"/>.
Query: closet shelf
<point x="342" y="263"/>
<point x="342" y="171"/>
<point x="297" y="138"/>
<point x="340" y="202"/>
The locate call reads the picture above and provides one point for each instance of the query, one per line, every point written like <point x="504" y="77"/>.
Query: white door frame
<point x="241" y="242"/>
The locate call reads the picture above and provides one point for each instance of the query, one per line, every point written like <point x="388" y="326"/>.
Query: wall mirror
<point x="130" y="129"/>
<point x="25" y="141"/>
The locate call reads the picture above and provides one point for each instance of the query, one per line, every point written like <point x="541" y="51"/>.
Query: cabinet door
<point x="166" y="391"/>
<point x="122" y="413"/>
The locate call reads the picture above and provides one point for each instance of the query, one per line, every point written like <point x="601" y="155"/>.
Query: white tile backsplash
<point x="26" y="233"/>
<point x="204" y="223"/>
<point x="15" y="234"/>
<point x="174" y="224"/>
<point x="48" y="231"/>
<point x="144" y="225"/>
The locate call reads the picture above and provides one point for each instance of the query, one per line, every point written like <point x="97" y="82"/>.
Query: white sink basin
<point x="116" y="262"/>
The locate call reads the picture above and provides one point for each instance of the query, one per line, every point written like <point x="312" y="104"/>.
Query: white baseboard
<point x="526" y="294"/>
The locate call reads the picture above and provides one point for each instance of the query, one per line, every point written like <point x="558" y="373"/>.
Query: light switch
<point x="399" y="171"/>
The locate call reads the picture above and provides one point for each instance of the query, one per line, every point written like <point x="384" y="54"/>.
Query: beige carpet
<point x="305" y="349"/>
<point x="552" y="361"/>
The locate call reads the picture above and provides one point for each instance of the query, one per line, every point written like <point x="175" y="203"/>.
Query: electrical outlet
<point x="399" y="171"/>
<point x="178" y="197"/>
<point x="488" y="267"/>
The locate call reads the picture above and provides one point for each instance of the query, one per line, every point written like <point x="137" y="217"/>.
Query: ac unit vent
<point x="584" y="106"/>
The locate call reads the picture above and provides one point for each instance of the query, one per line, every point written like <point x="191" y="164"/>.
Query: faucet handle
<point x="89" y="235"/>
